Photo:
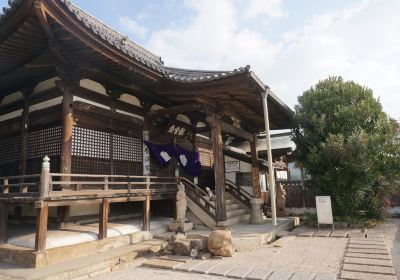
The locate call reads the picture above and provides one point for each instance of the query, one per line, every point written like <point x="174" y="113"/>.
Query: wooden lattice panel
<point x="90" y="143"/>
<point x="127" y="148"/>
<point x="44" y="142"/>
<point x="206" y="157"/>
<point x="10" y="148"/>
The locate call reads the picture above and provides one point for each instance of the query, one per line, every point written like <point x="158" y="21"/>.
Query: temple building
<point x="77" y="101"/>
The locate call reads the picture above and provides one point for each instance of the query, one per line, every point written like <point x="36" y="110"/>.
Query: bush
<point x="348" y="146"/>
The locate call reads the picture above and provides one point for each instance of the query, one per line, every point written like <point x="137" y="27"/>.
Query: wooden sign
<point x="232" y="166"/>
<point x="324" y="210"/>
<point x="178" y="129"/>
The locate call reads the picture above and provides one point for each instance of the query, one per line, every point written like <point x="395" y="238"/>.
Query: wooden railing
<point x="57" y="185"/>
<point x="239" y="193"/>
<point x="199" y="196"/>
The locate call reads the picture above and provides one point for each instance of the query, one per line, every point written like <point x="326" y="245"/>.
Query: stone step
<point x="234" y="206"/>
<point x="236" y="212"/>
<point x="244" y="218"/>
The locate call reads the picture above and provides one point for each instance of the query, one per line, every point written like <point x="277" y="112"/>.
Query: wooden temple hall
<point x="77" y="99"/>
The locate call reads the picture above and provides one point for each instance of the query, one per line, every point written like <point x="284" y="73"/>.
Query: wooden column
<point x="3" y="222"/>
<point x="255" y="167"/>
<point x="24" y="131"/>
<point x="42" y="215"/>
<point x="219" y="168"/>
<point x="66" y="88"/>
<point x="103" y="218"/>
<point x="146" y="213"/>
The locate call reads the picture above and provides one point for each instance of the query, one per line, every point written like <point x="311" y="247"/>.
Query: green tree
<point x="348" y="146"/>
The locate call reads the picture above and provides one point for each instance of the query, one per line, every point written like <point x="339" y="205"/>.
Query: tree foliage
<point x="348" y="146"/>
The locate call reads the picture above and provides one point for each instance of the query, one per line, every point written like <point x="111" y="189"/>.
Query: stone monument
<point x="181" y="206"/>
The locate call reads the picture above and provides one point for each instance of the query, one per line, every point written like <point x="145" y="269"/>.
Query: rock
<point x="181" y="248"/>
<point x="220" y="243"/>
<point x="194" y="253"/>
<point x="178" y="237"/>
<point x="199" y="244"/>
<point x="204" y="256"/>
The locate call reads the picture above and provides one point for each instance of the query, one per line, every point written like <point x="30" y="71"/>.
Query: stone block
<point x="374" y="235"/>
<point x="365" y="276"/>
<point x="188" y="266"/>
<point x="160" y="263"/>
<point x="369" y="268"/>
<point x="302" y="276"/>
<point x="239" y="272"/>
<point x="282" y="233"/>
<point x="368" y="256"/>
<point x="221" y="270"/>
<point x="367" y="242"/>
<point x="366" y="246"/>
<point x="184" y="226"/>
<point x="357" y="234"/>
<point x="220" y="243"/>
<point x="322" y="233"/>
<point x="181" y="247"/>
<point x="204" y="267"/>
<point x="326" y="277"/>
<point x="305" y="233"/>
<point x="365" y="261"/>
<point x="280" y="275"/>
<point x="199" y="244"/>
<point x="258" y="274"/>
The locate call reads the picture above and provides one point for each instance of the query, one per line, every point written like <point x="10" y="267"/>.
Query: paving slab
<point x="357" y="234"/>
<point x="374" y="235"/>
<point x="369" y="268"/>
<point x="239" y="272"/>
<point x="368" y="251"/>
<point x="164" y="264"/>
<point x="280" y="275"/>
<point x="184" y="259"/>
<point x="302" y="276"/>
<point x="367" y="246"/>
<point x="367" y="261"/>
<point x="365" y="276"/>
<point x="258" y="274"/>
<point x="326" y="277"/>
<point x="221" y="270"/>
<point x="368" y="256"/>
<point x="204" y="267"/>
<point x="340" y="233"/>
<point x="305" y="234"/>
<point x="322" y="233"/>
<point x="367" y="242"/>
<point x="188" y="266"/>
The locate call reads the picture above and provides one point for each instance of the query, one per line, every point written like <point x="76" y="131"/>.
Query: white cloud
<point x="359" y="42"/>
<point x="132" y="26"/>
<point x="271" y="8"/>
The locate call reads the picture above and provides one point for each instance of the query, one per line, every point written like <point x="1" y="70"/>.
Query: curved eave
<point x="13" y="16"/>
<point x="60" y="13"/>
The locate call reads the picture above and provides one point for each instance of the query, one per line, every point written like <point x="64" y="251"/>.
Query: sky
<point x="289" y="44"/>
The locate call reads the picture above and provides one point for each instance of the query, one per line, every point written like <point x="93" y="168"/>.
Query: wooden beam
<point x="3" y="222"/>
<point x="255" y="167"/>
<point x="230" y="129"/>
<point x="146" y="213"/>
<point x="103" y="218"/>
<point x="42" y="215"/>
<point x="219" y="168"/>
<point x="175" y="110"/>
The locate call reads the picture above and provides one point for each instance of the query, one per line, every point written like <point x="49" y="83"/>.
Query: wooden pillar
<point x="103" y="218"/>
<point x="255" y="167"/>
<point x="146" y="213"/>
<point x="66" y="87"/>
<point x="42" y="215"/>
<point x="3" y="222"/>
<point x="219" y="169"/>
<point x="24" y="131"/>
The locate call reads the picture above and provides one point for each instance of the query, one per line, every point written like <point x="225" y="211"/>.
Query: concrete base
<point x="256" y="213"/>
<point x="185" y="226"/>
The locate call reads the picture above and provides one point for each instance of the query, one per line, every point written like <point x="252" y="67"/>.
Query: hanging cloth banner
<point x="189" y="160"/>
<point x="162" y="152"/>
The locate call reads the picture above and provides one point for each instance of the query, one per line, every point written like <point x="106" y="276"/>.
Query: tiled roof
<point x="198" y="76"/>
<point x="7" y="11"/>
<point x="115" y="38"/>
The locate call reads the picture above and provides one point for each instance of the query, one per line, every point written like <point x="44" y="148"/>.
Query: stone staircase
<point x="236" y="213"/>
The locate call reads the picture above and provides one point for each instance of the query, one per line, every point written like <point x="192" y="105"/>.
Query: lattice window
<point x="206" y="157"/>
<point x="44" y="142"/>
<point x="10" y="148"/>
<point x="127" y="148"/>
<point x="90" y="143"/>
